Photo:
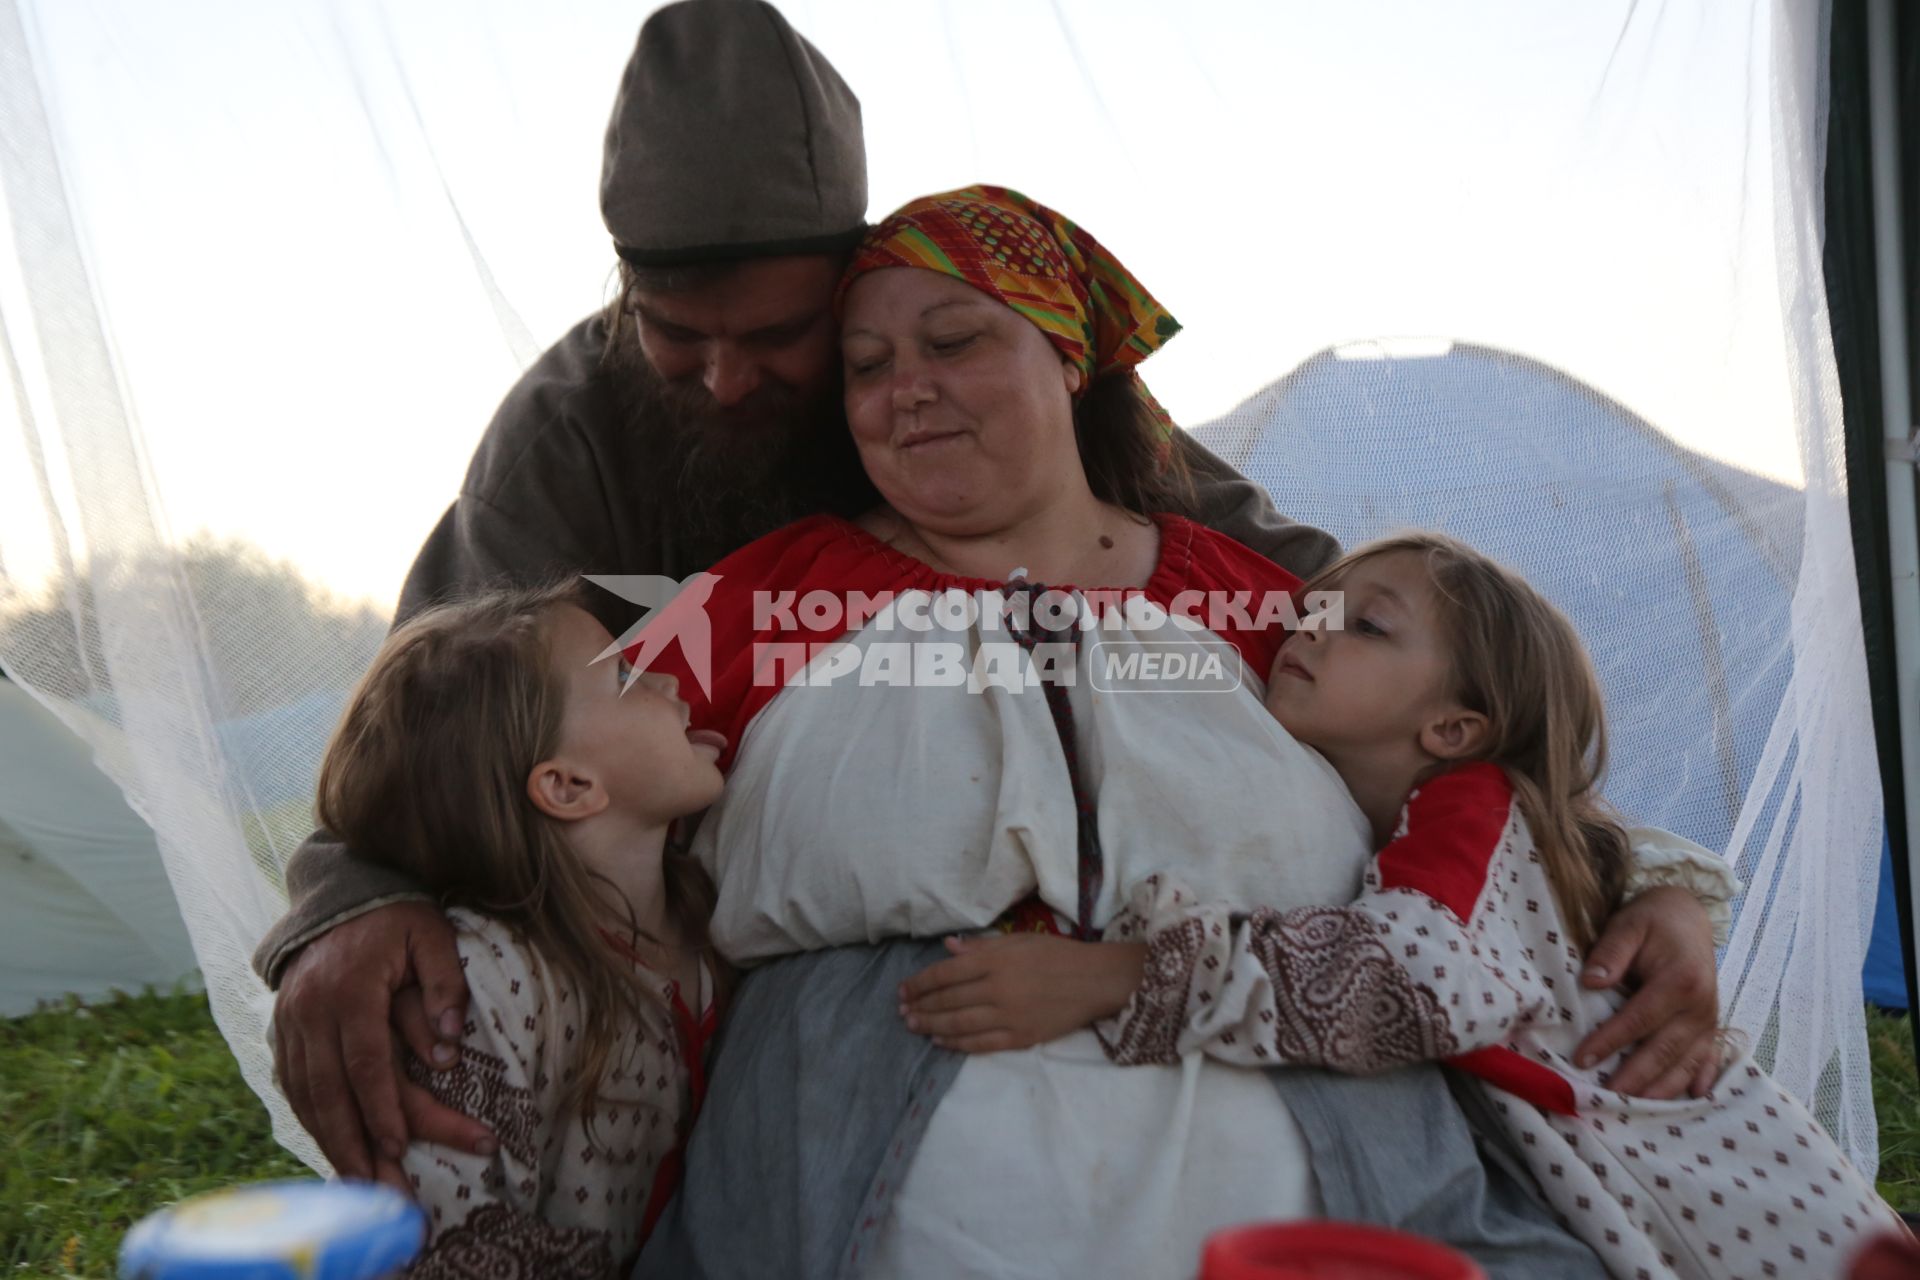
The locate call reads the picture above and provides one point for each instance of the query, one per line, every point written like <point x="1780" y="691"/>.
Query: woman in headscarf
<point x="925" y="740"/>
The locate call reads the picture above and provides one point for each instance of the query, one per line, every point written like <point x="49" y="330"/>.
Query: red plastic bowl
<point x="1330" y="1251"/>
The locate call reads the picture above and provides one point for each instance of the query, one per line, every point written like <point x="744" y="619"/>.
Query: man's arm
<point x="335" y="1053"/>
<point x="326" y="886"/>
<point x="359" y="955"/>
<point x="1229" y="502"/>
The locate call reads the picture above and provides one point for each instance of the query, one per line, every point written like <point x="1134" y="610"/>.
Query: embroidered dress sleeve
<point x="1663" y="858"/>
<point x="485" y="1212"/>
<point x="1429" y="963"/>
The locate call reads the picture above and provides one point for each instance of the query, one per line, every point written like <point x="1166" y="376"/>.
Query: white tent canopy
<point x="265" y="270"/>
<point x="85" y="907"/>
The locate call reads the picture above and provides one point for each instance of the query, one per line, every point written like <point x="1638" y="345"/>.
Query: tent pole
<point x="1896" y="402"/>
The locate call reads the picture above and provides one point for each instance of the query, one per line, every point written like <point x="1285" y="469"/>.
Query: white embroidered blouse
<point x="899" y="771"/>
<point x="557" y="1198"/>
<point x="1457" y="951"/>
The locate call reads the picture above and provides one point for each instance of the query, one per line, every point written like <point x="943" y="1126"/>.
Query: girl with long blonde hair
<point x="499" y="760"/>
<point x="1463" y="714"/>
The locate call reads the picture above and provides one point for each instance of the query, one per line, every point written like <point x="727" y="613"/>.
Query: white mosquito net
<point x="1547" y="277"/>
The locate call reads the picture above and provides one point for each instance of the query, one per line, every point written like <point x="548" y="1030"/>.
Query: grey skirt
<point x="819" y="1096"/>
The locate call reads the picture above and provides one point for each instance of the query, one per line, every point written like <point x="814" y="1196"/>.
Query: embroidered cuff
<point x="1663" y="858"/>
<point x="1147" y="1028"/>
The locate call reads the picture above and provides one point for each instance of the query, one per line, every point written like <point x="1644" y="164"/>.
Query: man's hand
<point x="336" y="1056"/>
<point x="1012" y="991"/>
<point x="1662" y="944"/>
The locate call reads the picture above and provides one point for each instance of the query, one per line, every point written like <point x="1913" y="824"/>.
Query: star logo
<point x="675" y="611"/>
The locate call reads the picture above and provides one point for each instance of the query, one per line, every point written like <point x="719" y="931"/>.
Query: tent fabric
<point x="1545" y="276"/>
<point x="1883" y="978"/>
<point x="1450" y="432"/>
<point x="85" y="907"/>
<point x="1852" y="277"/>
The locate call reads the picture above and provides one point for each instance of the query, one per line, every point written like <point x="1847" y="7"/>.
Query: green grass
<point x="110" y="1112"/>
<point x="1896" y="1104"/>
<point x="115" y="1110"/>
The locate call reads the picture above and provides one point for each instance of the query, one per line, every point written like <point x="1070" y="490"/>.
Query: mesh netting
<point x="266" y="271"/>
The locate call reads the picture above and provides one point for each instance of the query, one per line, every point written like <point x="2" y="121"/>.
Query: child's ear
<point x="565" y="792"/>
<point x="1453" y="734"/>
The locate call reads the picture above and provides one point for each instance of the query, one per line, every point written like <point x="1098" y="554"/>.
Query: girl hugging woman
<point x="1464" y="716"/>
<point x="495" y="758"/>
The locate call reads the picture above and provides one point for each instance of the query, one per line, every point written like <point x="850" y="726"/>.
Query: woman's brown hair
<point x="1129" y="458"/>
<point x="427" y="774"/>
<point x="1519" y="662"/>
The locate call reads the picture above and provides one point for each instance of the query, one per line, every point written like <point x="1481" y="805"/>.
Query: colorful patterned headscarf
<point x="1042" y="265"/>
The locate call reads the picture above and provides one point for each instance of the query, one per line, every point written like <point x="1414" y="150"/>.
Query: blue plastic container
<point x="299" y="1230"/>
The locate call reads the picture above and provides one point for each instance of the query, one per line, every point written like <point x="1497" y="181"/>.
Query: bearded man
<point x="700" y="410"/>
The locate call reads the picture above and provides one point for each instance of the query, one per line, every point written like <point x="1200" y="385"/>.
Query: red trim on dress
<point x="1453" y="828"/>
<point x="693" y="1035"/>
<point x="827" y="553"/>
<point x="1521" y="1076"/>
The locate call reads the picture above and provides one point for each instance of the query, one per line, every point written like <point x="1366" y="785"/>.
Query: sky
<point x="325" y="237"/>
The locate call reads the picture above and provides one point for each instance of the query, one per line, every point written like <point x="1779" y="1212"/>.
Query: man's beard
<point x="732" y="473"/>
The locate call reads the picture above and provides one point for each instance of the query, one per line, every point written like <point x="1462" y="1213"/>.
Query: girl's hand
<point x="1016" y="990"/>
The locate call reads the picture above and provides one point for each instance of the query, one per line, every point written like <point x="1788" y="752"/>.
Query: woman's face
<point x="961" y="409"/>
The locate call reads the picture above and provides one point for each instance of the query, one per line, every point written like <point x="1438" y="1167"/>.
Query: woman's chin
<point x="953" y="510"/>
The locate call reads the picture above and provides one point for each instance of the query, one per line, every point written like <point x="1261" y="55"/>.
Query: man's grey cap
<point x="732" y="137"/>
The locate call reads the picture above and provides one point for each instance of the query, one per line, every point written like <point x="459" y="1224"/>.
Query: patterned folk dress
<point x="902" y="766"/>
<point x="555" y="1199"/>
<point x="1456" y="951"/>
<point x="896" y="770"/>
